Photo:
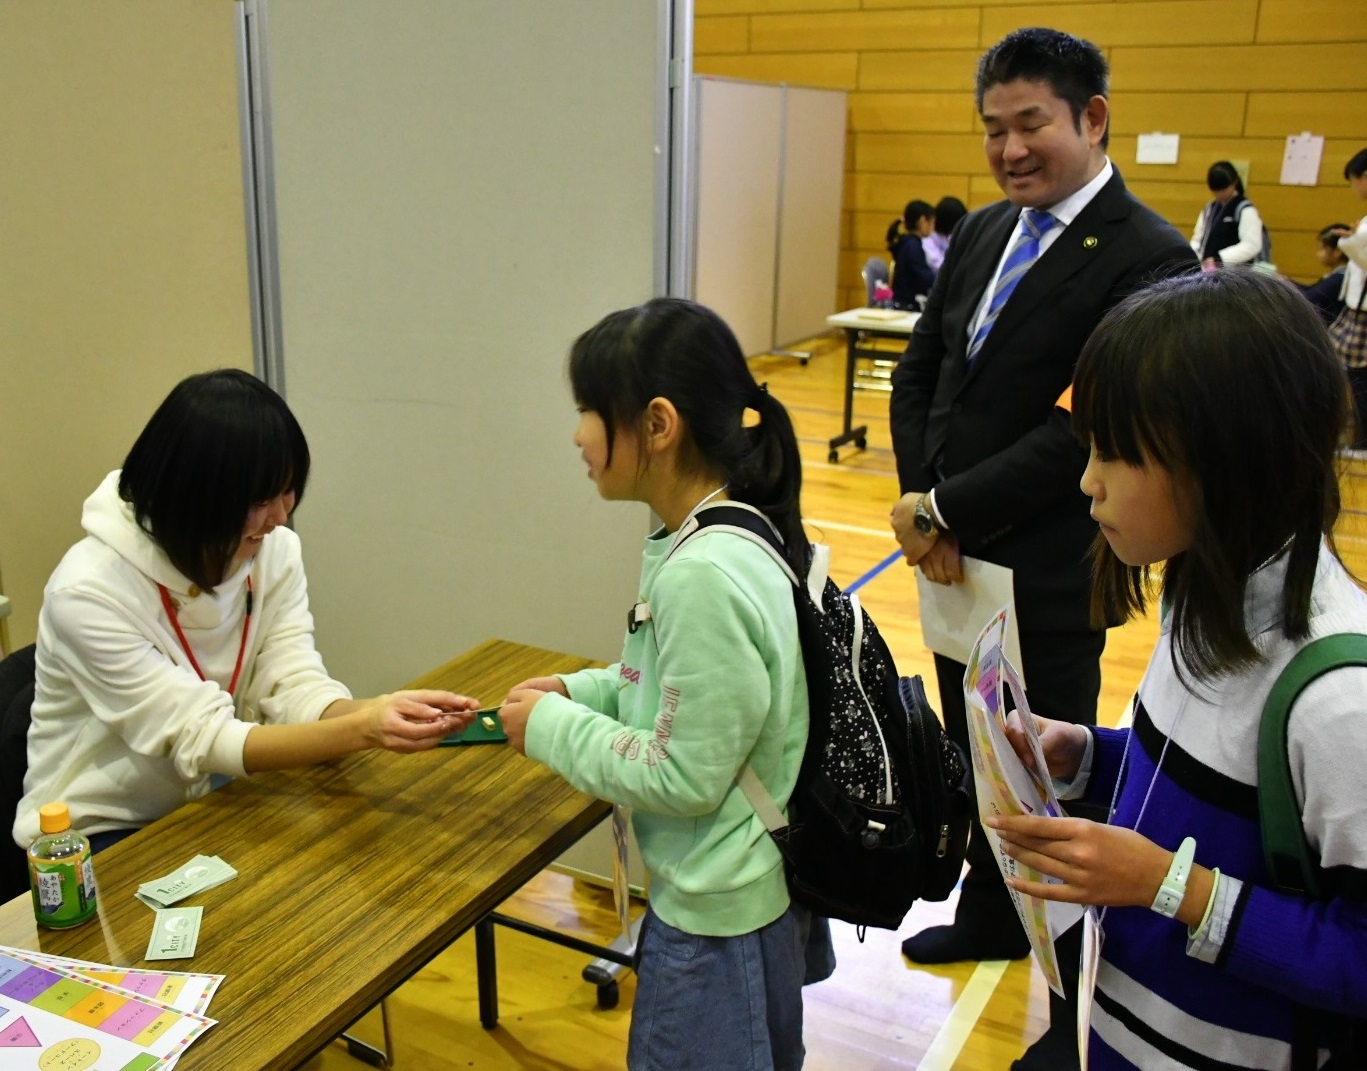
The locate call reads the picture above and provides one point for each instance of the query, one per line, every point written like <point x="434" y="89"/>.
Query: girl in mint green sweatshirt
<point x="712" y="680"/>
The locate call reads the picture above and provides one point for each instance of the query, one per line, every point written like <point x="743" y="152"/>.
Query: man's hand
<point x="914" y="545"/>
<point x="942" y="564"/>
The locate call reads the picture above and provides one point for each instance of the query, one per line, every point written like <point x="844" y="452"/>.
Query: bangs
<point x="606" y="371"/>
<point x="1127" y="396"/>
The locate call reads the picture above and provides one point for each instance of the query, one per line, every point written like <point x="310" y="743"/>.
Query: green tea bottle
<point x="60" y="872"/>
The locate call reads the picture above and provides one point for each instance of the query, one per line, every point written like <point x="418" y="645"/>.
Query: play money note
<point x="200" y="873"/>
<point x="175" y="933"/>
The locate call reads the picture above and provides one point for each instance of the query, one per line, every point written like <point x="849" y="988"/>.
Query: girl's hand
<point x="415" y="720"/>
<point x="542" y="684"/>
<point x="1063" y="744"/>
<point x="1101" y="865"/>
<point x="517" y="711"/>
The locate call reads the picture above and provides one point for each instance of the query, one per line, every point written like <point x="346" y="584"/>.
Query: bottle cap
<point x="53" y="817"/>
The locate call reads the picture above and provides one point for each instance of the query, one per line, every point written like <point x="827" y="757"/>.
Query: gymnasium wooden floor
<point x="878" y="1011"/>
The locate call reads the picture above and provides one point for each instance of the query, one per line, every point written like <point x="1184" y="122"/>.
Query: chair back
<point x="17" y="673"/>
<point x="875" y="271"/>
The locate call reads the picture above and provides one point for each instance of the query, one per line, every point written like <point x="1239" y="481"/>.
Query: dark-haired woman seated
<point x="175" y="640"/>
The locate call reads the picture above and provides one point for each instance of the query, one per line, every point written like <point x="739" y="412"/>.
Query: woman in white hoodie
<point x="175" y="640"/>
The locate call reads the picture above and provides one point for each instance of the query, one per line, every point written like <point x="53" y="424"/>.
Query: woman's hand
<point x="516" y="710"/>
<point x="415" y="720"/>
<point x="1098" y="864"/>
<point x="1063" y="744"/>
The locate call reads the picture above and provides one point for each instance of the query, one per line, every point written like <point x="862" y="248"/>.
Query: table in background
<point x="351" y="875"/>
<point x="874" y="323"/>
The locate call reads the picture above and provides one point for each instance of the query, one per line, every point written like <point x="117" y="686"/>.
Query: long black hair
<point x="1227" y="380"/>
<point x="683" y="352"/>
<point x="221" y="443"/>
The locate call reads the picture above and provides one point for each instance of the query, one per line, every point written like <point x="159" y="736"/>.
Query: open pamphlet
<point x="1006" y="786"/>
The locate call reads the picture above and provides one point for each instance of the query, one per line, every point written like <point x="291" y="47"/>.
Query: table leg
<point x="860" y="435"/>
<point x="486" y="971"/>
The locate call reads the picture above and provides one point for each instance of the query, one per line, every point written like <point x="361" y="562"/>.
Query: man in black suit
<point x="986" y="459"/>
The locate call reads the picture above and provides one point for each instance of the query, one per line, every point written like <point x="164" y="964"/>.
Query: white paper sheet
<point x="1301" y="160"/>
<point x="1157" y="148"/>
<point x="953" y="615"/>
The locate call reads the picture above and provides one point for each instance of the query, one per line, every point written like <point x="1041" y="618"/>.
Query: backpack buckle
<point x="637" y="616"/>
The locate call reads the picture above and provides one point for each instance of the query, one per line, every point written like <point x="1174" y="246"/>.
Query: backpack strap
<point x="1289" y="859"/>
<point x="744" y="520"/>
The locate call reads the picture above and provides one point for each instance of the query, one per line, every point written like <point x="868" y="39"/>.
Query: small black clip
<point x="635" y="618"/>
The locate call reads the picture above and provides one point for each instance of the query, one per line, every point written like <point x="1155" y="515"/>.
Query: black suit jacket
<point x="1009" y="460"/>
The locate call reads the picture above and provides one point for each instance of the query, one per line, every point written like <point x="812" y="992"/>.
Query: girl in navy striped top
<point x="1214" y="408"/>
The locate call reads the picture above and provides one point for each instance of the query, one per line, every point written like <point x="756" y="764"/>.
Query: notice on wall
<point x="1157" y="149"/>
<point x="1301" y="161"/>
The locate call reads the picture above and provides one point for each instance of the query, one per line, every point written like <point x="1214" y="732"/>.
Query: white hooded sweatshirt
<point x="124" y="730"/>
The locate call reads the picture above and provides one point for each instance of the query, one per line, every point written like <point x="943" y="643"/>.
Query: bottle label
<point x="63" y="892"/>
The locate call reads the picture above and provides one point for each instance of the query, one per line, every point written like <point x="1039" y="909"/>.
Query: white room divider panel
<point x="808" y="261"/>
<point x="769" y="165"/>
<point x="739" y="151"/>
<point x="460" y="189"/>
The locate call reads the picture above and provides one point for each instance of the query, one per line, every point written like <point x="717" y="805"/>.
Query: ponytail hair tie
<point x="757" y="397"/>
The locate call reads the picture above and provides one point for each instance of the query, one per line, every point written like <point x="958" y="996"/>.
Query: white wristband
<point x="1174" y="887"/>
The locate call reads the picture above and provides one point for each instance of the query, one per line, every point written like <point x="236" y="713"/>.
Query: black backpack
<point x="879" y="817"/>
<point x="1290" y="860"/>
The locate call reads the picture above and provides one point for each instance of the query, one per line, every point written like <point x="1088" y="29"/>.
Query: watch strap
<point x="1174" y="887"/>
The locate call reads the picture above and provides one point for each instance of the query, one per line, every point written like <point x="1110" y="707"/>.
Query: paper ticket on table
<point x="200" y="873"/>
<point x="1005" y="786"/>
<point x="175" y="933"/>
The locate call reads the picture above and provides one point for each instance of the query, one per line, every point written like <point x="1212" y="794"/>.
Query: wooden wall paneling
<point x="1298" y="21"/>
<point x="928" y="69"/>
<point x="1341" y="114"/>
<point x="830" y="70"/>
<point x="1241" y="67"/>
<point x="982" y="190"/>
<point x="1306" y="208"/>
<point x="948" y="113"/>
<point x="919" y="152"/>
<point x="866" y="30"/>
<point x="1210" y="114"/>
<point x="747" y="7"/>
<point x="889" y="192"/>
<point x="1144" y="22"/>
<point x="723" y="33"/>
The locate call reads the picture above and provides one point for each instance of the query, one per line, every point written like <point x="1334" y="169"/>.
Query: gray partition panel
<point x="809" y="212"/>
<point x="739" y="140"/>
<point x="461" y="189"/>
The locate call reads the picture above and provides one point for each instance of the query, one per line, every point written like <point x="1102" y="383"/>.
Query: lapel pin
<point x="1089" y="242"/>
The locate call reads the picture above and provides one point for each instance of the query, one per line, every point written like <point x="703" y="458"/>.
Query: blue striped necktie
<point x="1024" y="253"/>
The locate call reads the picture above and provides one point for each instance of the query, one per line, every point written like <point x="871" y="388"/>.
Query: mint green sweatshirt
<point x="713" y="680"/>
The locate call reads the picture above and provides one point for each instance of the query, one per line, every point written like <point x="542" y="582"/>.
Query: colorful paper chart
<point x="54" y="1019"/>
<point x="185" y="991"/>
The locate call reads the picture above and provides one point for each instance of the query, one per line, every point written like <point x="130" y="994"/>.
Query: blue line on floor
<point x="894" y="556"/>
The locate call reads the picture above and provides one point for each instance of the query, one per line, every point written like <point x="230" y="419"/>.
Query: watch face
<point x="924" y="524"/>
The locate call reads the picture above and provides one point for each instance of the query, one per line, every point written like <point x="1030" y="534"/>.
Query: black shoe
<point x="954" y="944"/>
<point x="1056" y="1050"/>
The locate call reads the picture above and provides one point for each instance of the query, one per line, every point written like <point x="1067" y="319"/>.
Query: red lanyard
<point x="185" y="645"/>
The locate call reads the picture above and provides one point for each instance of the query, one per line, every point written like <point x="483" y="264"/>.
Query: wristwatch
<point x="924" y="519"/>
